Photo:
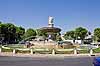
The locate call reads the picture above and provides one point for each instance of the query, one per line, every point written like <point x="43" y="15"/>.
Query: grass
<point x="20" y="51"/>
<point x="82" y="51"/>
<point x="7" y="50"/>
<point x="64" y="52"/>
<point x="97" y="50"/>
<point x="15" y="46"/>
<point x="42" y="50"/>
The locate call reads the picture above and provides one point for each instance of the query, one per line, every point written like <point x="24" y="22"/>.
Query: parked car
<point x="96" y="61"/>
<point x="22" y="42"/>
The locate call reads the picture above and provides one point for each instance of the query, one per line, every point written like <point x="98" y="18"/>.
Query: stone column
<point x="14" y="51"/>
<point x="53" y="52"/>
<point x="75" y="51"/>
<point x="91" y="51"/>
<point x="97" y="46"/>
<point x="0" y="50"/>
<point x="31" y="51"/>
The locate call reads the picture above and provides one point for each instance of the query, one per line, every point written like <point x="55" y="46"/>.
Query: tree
<point x="81" y="33"/>
<point x="10" y="33"/>
<point x="70" y="35"/>
<point x="0" y="22"/>
<point x="78" y="33"/>
<point x="30" y="32"/>
<point x="41" y="33"/>
<point x="20" y="31"/>
<point x="97" y="34"/>
<point x="1" y="33"/>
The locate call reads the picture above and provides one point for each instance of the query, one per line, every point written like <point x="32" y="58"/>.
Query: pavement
<point x="10" y="59"/>
<point x="46" y="61"/>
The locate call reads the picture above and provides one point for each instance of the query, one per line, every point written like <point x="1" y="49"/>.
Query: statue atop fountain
<point x="50" y="22"/>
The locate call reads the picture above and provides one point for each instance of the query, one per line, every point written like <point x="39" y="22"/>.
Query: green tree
<point x="81" y="33"/>
<point x="20" y="31"/>
<point x="41" y="33"/>
<point x="1" y="33"/>
<point x="70" y="35"/>
<point x="30" y="32"/>
<point x="10" y="33"/>
<point x="97" y="34"/>
<point x="0" y="22"/>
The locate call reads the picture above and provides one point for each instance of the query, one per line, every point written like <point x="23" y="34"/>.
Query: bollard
<point x="14" y="51"/>
<point x="53" y="52"/>
<point x="0" y="50"/>
<point x="31" y="51"/>
<point x="75" y="51"/>
<point x="91" y="51"/>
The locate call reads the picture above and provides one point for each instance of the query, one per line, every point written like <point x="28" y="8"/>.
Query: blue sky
<point x="68" y="14"/>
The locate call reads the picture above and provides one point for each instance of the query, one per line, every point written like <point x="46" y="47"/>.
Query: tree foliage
<point x="19" y="33"/>
<point x="30" y="32"/>
<point x="70" y="35"/>
<point x="78" y="33"/>
<point x="81" y="32"/>
<point x="10" y="32"/>
<point x="41" y="33"/>
<point x="97" y="34"/>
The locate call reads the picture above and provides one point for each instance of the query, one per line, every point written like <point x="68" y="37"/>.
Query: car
<point x="96" y="61"/>
<point x="22" y="42"/>
<point x="64" y="42"/>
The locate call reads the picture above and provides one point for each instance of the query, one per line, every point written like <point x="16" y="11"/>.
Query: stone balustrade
<point x="45" y="50"/>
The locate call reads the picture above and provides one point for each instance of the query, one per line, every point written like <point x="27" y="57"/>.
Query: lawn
<point x="97" y="50"/>
<point x="82" y="51"/>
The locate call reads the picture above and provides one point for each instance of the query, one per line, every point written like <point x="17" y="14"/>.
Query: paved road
<point x="46" y="61"/>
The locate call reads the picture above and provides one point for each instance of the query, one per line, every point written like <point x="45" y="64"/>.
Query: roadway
<point x="46" y="61"/>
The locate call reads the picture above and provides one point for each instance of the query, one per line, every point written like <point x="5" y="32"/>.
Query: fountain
<point x="49" y="41"/>
<point x="50" y="29"/>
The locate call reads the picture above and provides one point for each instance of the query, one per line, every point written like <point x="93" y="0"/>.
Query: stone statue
<point x="50" y="21"/>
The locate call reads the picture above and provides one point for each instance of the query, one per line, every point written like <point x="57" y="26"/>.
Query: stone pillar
<point x="91" y="51"/>
<point x="0" y="50"/>
<point x="97" y="46"/>
<point x="14" y="51"/>
<point x="53" y="52"/>
<point x="75" y="51"/>
<point x="31" y="51"/>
